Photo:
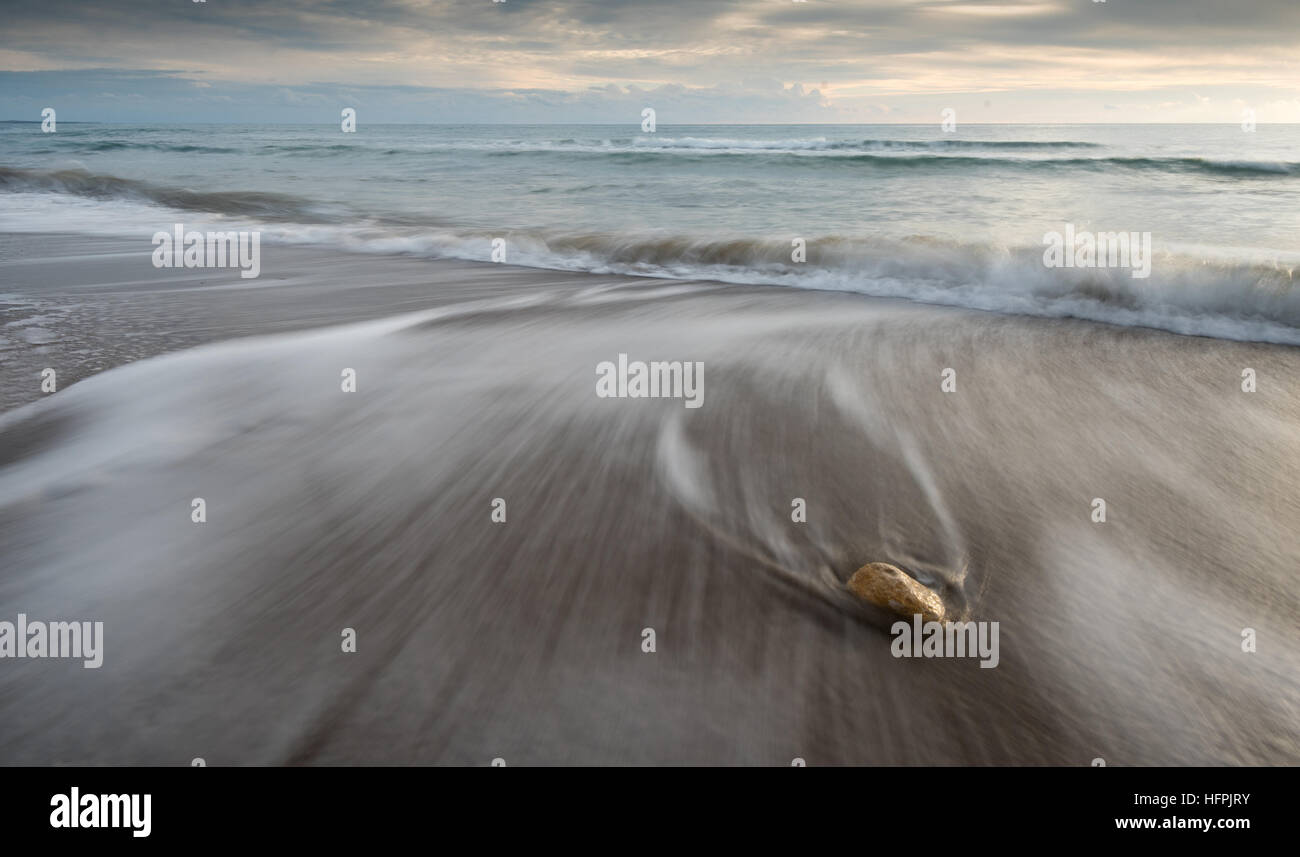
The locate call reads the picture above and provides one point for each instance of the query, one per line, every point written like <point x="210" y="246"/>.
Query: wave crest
<point x="80" y="182"/>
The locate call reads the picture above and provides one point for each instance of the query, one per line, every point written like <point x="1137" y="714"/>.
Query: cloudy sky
<point x="542" y="61"/>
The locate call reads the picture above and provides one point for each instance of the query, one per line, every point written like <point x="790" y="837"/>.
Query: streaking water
<point x="905" y="211"/>
<point x="522" y="639"/>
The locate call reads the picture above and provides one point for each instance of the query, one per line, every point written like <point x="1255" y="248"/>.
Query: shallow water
<point x="522" y="640"/>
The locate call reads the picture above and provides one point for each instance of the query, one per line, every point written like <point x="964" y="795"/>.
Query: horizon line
<point x="616" y="124"/>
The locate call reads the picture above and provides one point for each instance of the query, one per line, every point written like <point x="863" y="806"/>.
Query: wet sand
<point x="522" y="640"/>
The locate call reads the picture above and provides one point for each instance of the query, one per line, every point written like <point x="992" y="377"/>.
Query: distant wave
<point x="703" y="146"/>
<point x="133" y="145"/>
<point x="812" y="153"/>
<point x="635" y="143"/>
<point x="726" y="145"/>
<point x="827" y="158"/>
<point x="1208" y="165"/>
<point x="885" y="154"/>
<point x="308" y="148"/>
<point x="822" y="144"/>
<point x="80" y="182"/>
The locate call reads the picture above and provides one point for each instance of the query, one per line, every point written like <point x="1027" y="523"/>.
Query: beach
<point x="522" y="640"/>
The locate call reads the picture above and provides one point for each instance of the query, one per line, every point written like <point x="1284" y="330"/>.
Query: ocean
<point x="885" y="210"/>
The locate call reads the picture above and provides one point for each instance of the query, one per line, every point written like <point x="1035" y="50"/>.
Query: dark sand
<point x="522" y="640"/>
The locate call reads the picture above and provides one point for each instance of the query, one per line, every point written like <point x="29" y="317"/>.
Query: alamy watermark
<point x="92" y="810"/>
<point x="656" y="379"/>
<point x="181" y="249"/>
<point x="946" y="640"/>
<point x="24" y="639"/>
<point x="1072" y="249"/>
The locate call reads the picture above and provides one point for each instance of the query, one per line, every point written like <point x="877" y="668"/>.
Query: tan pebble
<point x="890" y="587"/>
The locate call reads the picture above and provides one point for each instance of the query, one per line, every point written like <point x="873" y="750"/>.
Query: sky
<point x="693" y="61"/>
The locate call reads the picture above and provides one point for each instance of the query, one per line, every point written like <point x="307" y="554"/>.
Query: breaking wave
<point x="1189" y="291"/>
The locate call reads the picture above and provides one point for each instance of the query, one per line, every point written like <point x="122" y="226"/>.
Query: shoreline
<point x="521" y="639"/>
<point x="70" y="281"/>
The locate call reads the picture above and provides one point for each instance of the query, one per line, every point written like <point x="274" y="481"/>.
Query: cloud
<point x="862" y="56"/>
